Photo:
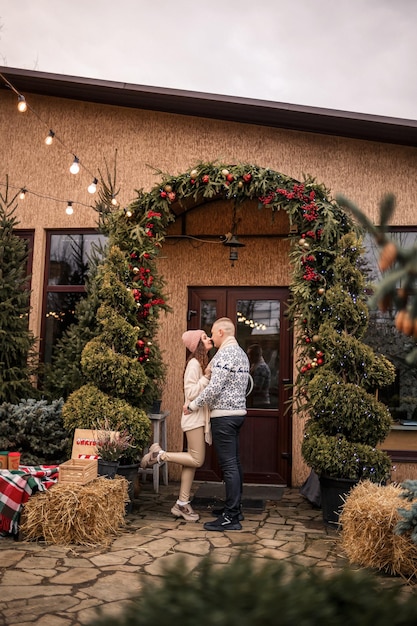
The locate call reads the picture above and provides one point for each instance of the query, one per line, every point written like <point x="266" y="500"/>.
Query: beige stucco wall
<point x="361" y="170"/>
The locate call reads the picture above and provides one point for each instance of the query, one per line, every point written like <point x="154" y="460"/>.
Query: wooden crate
<point x="79" y="471"/>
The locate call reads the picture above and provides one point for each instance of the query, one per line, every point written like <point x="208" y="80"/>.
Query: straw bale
<point x="87" y="515"/>
<point x="368" y="520"/>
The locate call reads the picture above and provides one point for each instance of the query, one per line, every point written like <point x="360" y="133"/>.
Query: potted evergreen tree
<point x="121" y="364"/>
<point x="338" y="382"/>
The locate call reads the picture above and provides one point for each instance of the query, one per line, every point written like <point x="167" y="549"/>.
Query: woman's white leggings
<point x="190" y="460"/>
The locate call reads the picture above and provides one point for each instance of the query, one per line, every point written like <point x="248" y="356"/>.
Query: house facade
<point x="141" y="132"/>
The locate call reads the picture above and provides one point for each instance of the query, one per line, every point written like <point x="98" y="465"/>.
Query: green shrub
<point x="338" y="457"/>
<point x="88" y="406"/>
<point x="112" y="372"/>
<point x="35" y="428"/>
<point x="255" y="592"/>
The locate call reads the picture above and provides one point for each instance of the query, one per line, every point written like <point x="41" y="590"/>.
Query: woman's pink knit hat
<point x="191" y="339"/>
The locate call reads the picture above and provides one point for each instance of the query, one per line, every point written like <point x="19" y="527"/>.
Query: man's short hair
<point x="226" y="324"/>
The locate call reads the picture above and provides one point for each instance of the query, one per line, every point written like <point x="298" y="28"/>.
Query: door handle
<point x="190" y="314"/>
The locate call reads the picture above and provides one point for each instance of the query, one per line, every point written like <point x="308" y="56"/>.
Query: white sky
<point x="351" y="55"/>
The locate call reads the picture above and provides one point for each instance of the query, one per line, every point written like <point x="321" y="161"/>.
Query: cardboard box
<point x="82" y="467"/>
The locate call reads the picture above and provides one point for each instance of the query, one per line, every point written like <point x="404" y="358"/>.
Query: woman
<point x="195" y="425"/>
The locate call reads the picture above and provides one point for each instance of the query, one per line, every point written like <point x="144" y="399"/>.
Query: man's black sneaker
<point x="224" y="523"/>
<point x="218" y="512"/>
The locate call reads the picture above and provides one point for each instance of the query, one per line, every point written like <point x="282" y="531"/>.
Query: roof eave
<point x="215" y="106"/>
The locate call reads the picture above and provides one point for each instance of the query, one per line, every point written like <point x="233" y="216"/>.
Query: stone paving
<point x="53" y="585"/>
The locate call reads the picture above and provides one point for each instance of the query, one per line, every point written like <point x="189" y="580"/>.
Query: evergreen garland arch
<point x="325" y="282"/>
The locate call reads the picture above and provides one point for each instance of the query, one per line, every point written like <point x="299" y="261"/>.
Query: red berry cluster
<point x="313" y="234"/>
<point x="267" y="199"/>
<point x="309" y="207"/>
<point x="310" y="273"/>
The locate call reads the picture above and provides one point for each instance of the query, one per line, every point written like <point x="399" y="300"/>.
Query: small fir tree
<point x="17" y="344"/>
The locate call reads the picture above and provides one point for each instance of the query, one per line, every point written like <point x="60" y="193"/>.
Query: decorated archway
<point x="317" y="225"/>
<point x="325" y="285"/>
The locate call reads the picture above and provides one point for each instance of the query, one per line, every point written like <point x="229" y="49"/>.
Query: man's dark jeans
<point x="225" y="432"/>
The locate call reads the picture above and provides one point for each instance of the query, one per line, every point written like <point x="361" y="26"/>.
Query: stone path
<point x="51" y="585"/>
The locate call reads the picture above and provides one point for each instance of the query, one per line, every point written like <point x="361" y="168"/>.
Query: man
<point x="225" y="395"/>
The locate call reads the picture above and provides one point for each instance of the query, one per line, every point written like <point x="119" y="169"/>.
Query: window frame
<point x="47" y="288"/>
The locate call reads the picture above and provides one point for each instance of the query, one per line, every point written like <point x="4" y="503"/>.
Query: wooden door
<point x="262" y="328"/>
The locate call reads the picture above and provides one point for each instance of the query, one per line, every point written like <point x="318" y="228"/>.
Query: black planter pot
<point x="156" y="407"/>
<point x="333" y="495"/>
<point x="130" y="472"/>
<point x="107" y="468"/>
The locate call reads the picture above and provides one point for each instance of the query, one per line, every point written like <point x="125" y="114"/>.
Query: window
<point x="68" y="255"/>
<point x="383" y="337"/>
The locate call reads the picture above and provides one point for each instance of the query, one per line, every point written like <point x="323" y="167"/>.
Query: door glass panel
<point x="258" y="332"/>
<point x="208" y="315"/>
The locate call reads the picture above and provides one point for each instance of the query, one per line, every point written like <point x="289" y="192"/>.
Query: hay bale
<point x="368" y="519"/>
<point x="87" y="515"/>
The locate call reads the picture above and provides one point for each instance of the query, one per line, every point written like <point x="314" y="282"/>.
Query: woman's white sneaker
<point x="186" y="511"/>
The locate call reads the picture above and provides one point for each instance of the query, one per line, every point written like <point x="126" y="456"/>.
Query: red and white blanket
<point x="16" y="487"/>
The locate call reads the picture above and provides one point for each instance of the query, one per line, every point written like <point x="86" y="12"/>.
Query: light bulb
<point x="114" y="201"/>
<point x="128" y="213"/>
<point x="21" y="104"/>
<point x="22" y="194"/>
<point x="49" y="139"/>
<point x="69" y="210"/>
<point x="92" y="188"/>
<point x="75" y="167"/>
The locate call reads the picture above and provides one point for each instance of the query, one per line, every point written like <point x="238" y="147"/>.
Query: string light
<point x="23" y="106"/>
<point x="249" y="322"/>
<point x="21" y="103"/>
<point x="69" y="210"/>
<point x="75" y="167"/>
<point x="128" y="213"/>
<point x="49" y="138"/>
<point x="92" y="187"/>
<point x="23" y="191"/>
<point x="113" y="201"/>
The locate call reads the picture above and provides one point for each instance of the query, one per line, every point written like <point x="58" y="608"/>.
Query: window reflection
<point x="258" y="332"/>
<point x="60" y="313"/>
<point x="383" y="337"/>
<point x="69" y="256"/>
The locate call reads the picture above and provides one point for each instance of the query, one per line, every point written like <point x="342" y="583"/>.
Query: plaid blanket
<point x="16" y="487"/>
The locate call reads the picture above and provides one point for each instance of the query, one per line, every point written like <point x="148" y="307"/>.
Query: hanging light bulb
<point x="22" y="194"/>
<point x="75" y="167"/>
<point x="69" y="210"/>
<point x="21" y="103"/>
<point x="49" y="138"/>
<point x="92" y="188"/>
<point x="113" y="201"/>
